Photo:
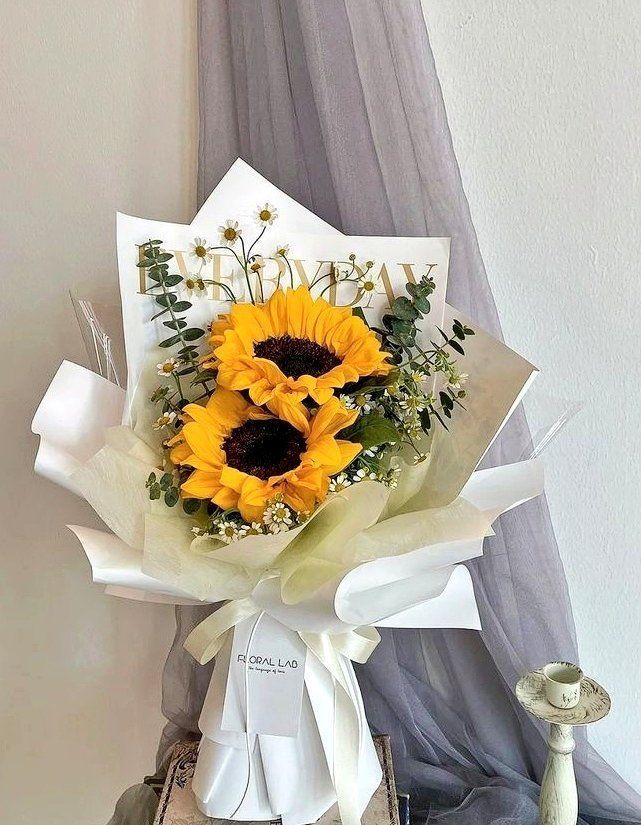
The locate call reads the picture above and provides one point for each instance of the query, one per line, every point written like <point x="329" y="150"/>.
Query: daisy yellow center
<point x="200" y="251"/>
<point x="368" y="286"/>
<point x="297" y="356"/>
<point x="190" y="283"/>
<point x="167" y="367"/>
<point x="264" y="448"/>
<point x="265" y="214"/>
<point x="229" y="234"/>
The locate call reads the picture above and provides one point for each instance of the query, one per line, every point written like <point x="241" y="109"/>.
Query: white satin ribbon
<point x="357" y="644"/>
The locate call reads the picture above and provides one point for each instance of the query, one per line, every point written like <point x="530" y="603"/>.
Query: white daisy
<point x="338" y="483"/>
<point x="418" y="376"/>
<point x="194" y="284"/>
<point x="266" y="215"/>
<point x="277" y="517"/>
<point x="200" y="251"/>
<point x="419" y="458"/>
<point x="364" y="403"/>
<point x="362" y="474"/>
<point x="414" y="404"/>
<point x="198" y="531"/>
<point x="228" y="531"/>
<point x="230" y="232"/>
<point x="281" y="251"/>
<point x="253" y="529"/>
<point x="167" y="367"/>
<point x="368" y="282"/>
<point x="457" y="379"/>
<point x="164" y="420"/>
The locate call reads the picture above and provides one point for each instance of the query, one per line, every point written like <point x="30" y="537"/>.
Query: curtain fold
<point x="338" y="103"/>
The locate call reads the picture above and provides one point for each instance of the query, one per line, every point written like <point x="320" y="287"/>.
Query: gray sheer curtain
<point x="338" y="103"/>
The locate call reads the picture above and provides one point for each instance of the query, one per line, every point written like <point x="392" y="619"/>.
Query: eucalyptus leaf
<point x="171" y="497"/>
<point x="179" y="323"/>
<point x="169" y="342"/>
<point x="191" y="505"/>
<point x="404" y="309"/>
<point x="193" y="333"/>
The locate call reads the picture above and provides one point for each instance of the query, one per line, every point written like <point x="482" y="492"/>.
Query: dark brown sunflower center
<point x="264" y="448"/>
<point x="297" y="356"/>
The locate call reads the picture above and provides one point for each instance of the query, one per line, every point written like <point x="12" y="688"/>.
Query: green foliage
<point x="371" y="430"/>
<point x="155" y="261"/>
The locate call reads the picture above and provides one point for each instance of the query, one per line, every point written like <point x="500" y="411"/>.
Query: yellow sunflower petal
<point x="253" y="498"/>
<point x="201" y="485"/>
<point x="289" y="407"/>
<point x="348" y="451"/>
<point x="228" y="409"/>
<point x="323" y="452"/>
<point x="225" y="498"/>
<point x="330" y="419"/>
<point x="276" y="308"/>
<point x="203" y="441"/>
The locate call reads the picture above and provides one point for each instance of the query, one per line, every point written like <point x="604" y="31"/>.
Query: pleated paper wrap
<point x="368" y="557"/>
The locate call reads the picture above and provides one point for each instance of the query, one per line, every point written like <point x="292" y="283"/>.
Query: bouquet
<point x="301" y="444"/>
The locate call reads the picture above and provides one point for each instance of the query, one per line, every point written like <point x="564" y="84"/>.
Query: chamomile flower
<point x="200" y="251"/>
<point x="198" y="531"/>
<point x="418" y="376"/>
<point x="338" y="483"/>
<point x="228" y="531"/>
<point x="368" y="281"/>
<point x="167" y="367"/>
<point x="230" y="232"/>
<point x="164" y="420"/>
<point x="194" y="284"/>
<point x="277" y="516"/>
<point x="363" y="474"/>
<point x="361" y="402"/>
<point x="256" y="265"/>
<point x="413" y="404"/>
<point x="266" y="215"/>
<point x="456" y="379"/>
<point x="253" y="529"/>
<point x="281" y="251"/>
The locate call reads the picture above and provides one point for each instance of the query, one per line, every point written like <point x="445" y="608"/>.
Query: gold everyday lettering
<point x="274" y="273"/>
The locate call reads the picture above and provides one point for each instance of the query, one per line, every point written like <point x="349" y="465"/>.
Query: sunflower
<point x="244" y="458"/>
<point x="293" y="347"/>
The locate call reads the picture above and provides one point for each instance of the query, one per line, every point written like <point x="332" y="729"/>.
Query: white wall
<point x="97" y="113"/>
<point x="544" y="104"/>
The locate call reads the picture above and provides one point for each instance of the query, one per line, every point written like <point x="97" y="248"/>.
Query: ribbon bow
<point x="357" y="644"/>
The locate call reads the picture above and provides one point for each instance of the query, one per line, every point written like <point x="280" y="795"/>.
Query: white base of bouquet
<point x="253" y="776"/>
